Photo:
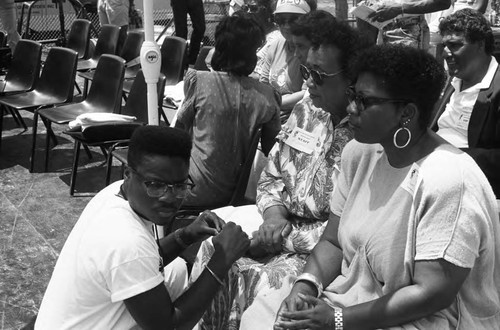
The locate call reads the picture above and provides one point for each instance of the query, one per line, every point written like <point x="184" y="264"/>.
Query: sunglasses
<point x="249" y="8"/>
<point x="317" y="77"/>
<point x="362" y="102"/>
<point x="281" y="19"/>
<point x="156" y="189"/>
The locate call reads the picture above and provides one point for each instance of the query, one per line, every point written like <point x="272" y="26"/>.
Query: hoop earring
<point x="403" y="128"/>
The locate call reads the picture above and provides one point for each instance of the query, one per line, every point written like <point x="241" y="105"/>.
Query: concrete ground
<point x="37" y="213"/>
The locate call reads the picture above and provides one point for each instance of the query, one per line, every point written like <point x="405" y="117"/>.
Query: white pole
<point x="150" y="63"/>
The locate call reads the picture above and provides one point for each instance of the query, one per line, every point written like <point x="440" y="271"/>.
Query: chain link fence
<point x="43" y="20"/>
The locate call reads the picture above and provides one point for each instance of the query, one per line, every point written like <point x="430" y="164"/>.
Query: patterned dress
<point x="302" y="183"/>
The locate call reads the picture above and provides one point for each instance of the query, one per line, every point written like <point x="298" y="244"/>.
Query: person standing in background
<point x="115" y="12"/>
<point x="181" y="8"/>
<point x="8" y="19"/>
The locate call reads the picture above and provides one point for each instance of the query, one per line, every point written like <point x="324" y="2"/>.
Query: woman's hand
<point x="294" y="302"/>
<point x="313" y="314"/>
<point x="207" y="224"/>
<point x="271" y="233"/>
<point x="386" y="12"/>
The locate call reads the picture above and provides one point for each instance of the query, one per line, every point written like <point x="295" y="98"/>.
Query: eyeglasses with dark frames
<point x="157" y="189"/>
<point x="317" y="76"/>
<point x="362" y="102"/>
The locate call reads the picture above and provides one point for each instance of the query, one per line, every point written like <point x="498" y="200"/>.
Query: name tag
<point x="410" y="181"/>
<point x="301" y="140"/>
<point x="463" y="121"/>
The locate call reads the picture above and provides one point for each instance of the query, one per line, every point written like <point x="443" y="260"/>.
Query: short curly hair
<point x="237" y="39"/>
<point x="341" y="35"/>
<point x="405" y="73"/>
<point x="312" y="23"/>
<point x="153" y="140"/>
<point x="472" y="24"/>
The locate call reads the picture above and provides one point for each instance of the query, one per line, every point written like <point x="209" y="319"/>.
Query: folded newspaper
<point x="365" y="8"/>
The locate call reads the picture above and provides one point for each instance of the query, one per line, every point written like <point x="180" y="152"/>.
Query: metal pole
<point x="150" y="63"/>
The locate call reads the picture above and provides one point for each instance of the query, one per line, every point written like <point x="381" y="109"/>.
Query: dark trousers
<point x="194" y="8"/>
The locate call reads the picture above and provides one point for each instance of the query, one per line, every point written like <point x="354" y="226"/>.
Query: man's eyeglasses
<point x="157" y="189"/>
<point x="362" y="102"/>
<point x="281" y="19"/>
<point x="251" y="8"/>
<point x="317" y="77"/>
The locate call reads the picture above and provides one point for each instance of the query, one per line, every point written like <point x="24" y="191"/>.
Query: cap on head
<point x="292" y="6"/>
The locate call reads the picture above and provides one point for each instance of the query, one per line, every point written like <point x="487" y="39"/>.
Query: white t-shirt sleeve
<point x="452" y="221"/>
<point x="133" y="278"/>
<point x="132" y="261"/>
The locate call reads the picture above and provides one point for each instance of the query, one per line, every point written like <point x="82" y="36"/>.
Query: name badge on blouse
<point x="301" y="140"/>
<point x="411" y="179"/>
<point x="463" y="121"/>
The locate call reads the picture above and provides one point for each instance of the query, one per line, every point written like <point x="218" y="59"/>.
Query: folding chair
<point x="78" y="37"/>
<point x="24" y="68"/>
<point x="104" y="96"/>
<point x="173" y="56"/>
<point x="130" y="52"/>
<point x="136" y="106"/>
<point x="106" y="44"/>
<point x="23" y="72"/>
<point x="108" y="136"/>
<point x="200" y="64"/>
<point x="55" y="85"/>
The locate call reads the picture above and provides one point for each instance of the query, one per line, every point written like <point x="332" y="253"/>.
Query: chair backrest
<point x="200" y="64"/>
<point x="137" y="100"/>
<point x="58" y="74"/>
<point x="107" y="41"/>
<point x="173" y="57"/>
<point x="25" y="66"/>
<point x="132" y="46"/>
<point x="238" y="197"/>
<point x="106" y="89"/>
<point x="78" y="37"/>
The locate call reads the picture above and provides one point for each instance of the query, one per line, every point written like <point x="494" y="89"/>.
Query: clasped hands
<point x="269" y="238"/>
<point x="302" y="310"/>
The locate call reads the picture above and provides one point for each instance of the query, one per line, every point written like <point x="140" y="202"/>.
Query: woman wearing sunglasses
<point x="280" y="67"/>
<point x="413" y="239"/>
<point x="293" y="192"/>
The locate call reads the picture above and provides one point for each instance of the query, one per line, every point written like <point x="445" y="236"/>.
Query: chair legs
<point x="33" y="141"/>
<point x="74" y="169"/>
<point x="1" y="126"/>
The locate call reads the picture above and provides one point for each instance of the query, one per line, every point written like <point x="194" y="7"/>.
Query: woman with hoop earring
<point x="413" y="238"/>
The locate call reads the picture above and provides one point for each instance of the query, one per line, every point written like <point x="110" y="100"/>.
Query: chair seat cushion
<point x="108" y="133"/>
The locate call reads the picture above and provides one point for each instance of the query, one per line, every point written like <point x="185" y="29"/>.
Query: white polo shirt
<point x="454" y="122"/>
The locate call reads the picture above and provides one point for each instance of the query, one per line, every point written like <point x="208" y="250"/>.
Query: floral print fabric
<point x="301" y="182"/>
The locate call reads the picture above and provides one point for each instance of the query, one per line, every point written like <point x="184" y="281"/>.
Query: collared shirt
<point x="454" y="122"/>
<point x="303" y="181"/>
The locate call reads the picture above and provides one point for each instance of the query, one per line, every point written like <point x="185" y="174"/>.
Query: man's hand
<point x="207" y="224"/>
<point x="271" y="233"/>
<point x="230" y="244"/>
<point x="386" y="12"/>
<point x="313" y="314"/>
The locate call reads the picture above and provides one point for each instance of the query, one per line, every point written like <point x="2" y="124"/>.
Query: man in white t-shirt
<point x="110" y="274"/>
<point x="471" y="119"/>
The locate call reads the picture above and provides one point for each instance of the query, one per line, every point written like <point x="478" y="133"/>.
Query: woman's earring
<point x="403" y="128"/>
